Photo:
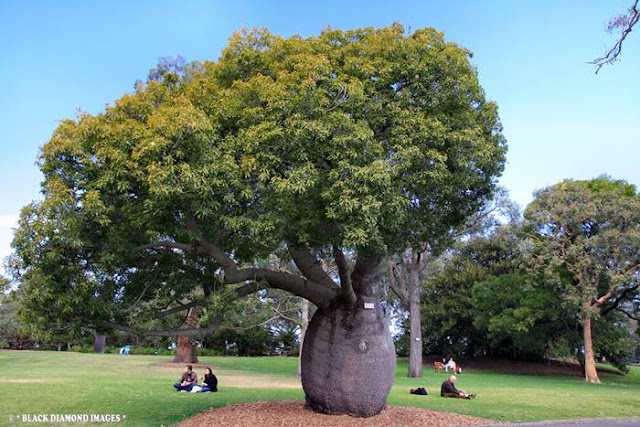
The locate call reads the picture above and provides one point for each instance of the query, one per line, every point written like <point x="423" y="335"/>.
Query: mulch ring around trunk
<point x="293" y="413"/>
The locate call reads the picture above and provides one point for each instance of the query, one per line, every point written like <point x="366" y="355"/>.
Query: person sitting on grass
<point x="188" y="379"/>
<point x="448" y="389"/>
<point x="209" y="384"/>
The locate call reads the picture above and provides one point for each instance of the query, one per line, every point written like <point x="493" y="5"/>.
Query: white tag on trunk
<point x="369" y="305"/>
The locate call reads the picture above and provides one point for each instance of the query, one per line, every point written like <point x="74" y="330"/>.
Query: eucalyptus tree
<point x="409" y="269"/>
<point x="589" y="233"/>
<point x="353" y="143"/>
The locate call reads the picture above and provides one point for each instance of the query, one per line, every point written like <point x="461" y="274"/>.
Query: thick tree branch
<point x="302" y="287"/>
<point x="247" y="289"/>
<point x="629" y="315"/>
<point x="616" y="302"/>
<point x="167" y="332"/>
<point x="176" y="309"/>
<point x="242" y="291"/>
<point x="345" y="278"/>
<point x="599" y="302"/>
<point x="399" y="289"/>
<point x="423" y="260"/>
<point x="309" y="265"/>
<point x="168" y="244"/>
<point x="296" y="285"/>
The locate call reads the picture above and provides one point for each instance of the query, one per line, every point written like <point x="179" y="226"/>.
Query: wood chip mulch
<point x="293" y="413"/>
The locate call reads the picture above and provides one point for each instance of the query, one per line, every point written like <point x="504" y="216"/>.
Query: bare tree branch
<point x="282" y="315"/>
<point x="625" y="23"/>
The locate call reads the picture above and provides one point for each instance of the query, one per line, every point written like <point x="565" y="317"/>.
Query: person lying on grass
<point x="188" y="379"/>
<point x="210" y="383"/>
<point x="448" y="389"/>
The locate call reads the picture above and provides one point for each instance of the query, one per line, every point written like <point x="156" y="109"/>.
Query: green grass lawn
<point x="141" y="390"/>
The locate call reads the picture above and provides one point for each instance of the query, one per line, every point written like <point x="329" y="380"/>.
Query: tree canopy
<point x="370" y="140"/>
<point x="588" y="234"/>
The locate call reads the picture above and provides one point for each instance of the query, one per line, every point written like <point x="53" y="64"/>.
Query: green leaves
<point x="371" y="140"/>
<point x="592" y="230"/>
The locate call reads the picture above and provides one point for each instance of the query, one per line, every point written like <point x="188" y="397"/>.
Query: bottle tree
<point x="355" y="144"/>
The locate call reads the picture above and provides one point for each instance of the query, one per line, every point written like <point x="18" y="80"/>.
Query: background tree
<point x="404" y="280"/>
<point x="590" y="231"/>
<point x="11" y="335"/>
<point x="409" y="269"/>
<point x="265" y="323"/>
<point x="519" y="316"/>
<point x="362" y="142"/>
<point x="448" y="319"/>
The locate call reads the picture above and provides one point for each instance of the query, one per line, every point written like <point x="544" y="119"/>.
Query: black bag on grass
<point x="420" y="390"/>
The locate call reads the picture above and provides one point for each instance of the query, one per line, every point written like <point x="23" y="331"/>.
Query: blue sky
<point x="561" y="120"/>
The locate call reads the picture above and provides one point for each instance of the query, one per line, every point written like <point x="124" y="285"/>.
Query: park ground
<point x="139" y="388"/>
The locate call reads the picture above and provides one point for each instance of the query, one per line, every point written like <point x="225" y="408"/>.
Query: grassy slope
<point x="103" y="384"/>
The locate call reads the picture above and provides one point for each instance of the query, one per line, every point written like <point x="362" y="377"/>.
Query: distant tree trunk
<point x="409" y="295"/>
<point x="590" y="372"/>
<point x="59" y="346"/>
<point x="185" y="351"/>
<point x="348" y="359"/>
<point x="99" y="342"/>
<point x="303" y="330"/>
<point x="415" y="329"/>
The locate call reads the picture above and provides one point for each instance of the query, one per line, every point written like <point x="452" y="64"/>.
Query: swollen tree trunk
<point x="415" y="330"/>
<point x="303" y="330"/>
<point x="348" y="358"/>
<point x="99" y="342"/>
<point x="185" y="351"/>
<point x="590" y="372"/>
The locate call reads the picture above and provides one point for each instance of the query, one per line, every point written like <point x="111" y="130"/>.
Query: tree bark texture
<point x="304" y="323"/>
<point x="348" y="358"/>
<point x="415" y="330"/>
<point x="590" y="372"/>
<point x="98" y="343"/>
<point x="185" y="351"/>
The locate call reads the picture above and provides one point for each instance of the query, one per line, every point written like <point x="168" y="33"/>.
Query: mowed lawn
<point x="140" y="389"/>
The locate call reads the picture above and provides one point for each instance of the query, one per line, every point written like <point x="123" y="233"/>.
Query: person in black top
<point x="210" y="382"/>
<point x="448" y="389"/>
